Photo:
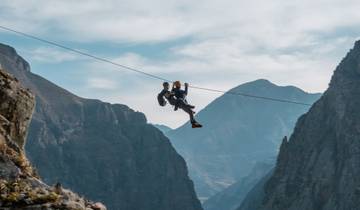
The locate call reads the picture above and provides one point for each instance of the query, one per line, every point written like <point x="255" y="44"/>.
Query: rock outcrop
<point x="129" y="163"/>
<point x="238" y="132"/>
<point x="319" y="167"/>
<point x="20" y="187"/>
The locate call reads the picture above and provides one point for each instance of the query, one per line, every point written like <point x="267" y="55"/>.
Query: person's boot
<point x="191" y="106"/>
<point x="196" y="125"/>
<point x="176" y="108"/>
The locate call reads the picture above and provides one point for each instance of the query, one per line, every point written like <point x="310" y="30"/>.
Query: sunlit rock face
<point x="20" y="187"/>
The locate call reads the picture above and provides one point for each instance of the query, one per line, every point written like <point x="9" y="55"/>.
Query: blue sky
<point x="212" y="43"/>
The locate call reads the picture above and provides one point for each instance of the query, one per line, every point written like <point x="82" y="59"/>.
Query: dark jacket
<point x="170" y="97"/>
<point x="180" y="94"/>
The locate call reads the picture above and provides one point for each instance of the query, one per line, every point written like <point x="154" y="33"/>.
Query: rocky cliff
<point x="238" y="132"/>
<point x="319" y="167"/>
<point x="20" y="188"/>
<point x="129" y="163"/>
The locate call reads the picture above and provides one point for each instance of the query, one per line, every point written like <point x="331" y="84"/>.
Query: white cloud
<point x="52" y="55"/>
<point x="278" y="23"/>
<point x="297" y="42"/>
<point x="101" y="83"/>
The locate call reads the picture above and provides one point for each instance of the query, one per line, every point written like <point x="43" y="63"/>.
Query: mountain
<point x="256" y="194"/>
<point x="129" y="163"/>
<point x="318" y="167"/>
<point x="232" y="197"/>
<point x="238" y="132"/>
<point x="163" y="128"/>
<point x="20" y="186"/>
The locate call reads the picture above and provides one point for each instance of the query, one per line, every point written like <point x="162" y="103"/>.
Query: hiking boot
<point x="196" y="125"/>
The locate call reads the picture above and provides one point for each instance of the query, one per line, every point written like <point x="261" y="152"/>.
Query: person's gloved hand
<point x="186" y="84"/>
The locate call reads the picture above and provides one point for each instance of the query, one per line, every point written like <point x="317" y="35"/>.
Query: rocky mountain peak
<point x="349" y="66"/>
<point x="318" y="167"/>
<point x="7" y="50"/>
<point x="264" y="87"/>
<point x="10" y="54"/>
<point x="260" y="83"/>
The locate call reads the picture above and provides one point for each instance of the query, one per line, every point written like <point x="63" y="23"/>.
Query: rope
<point x="120" y="66"/>
<point x="252" y="96"/>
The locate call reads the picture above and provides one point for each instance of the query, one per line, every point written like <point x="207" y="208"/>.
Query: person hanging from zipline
<point x="177" y="98"/>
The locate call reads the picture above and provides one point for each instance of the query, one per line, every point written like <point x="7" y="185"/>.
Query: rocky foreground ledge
<point x="20" y="187"/>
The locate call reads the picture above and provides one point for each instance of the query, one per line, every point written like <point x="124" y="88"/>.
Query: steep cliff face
<point x="319" y="167"/>
<point x="238" y="132"/>
<point x="77" y="141"/>
<point x="19" y="186"/>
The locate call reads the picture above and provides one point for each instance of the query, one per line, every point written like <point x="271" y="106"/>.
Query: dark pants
<point x="184" y="106"/>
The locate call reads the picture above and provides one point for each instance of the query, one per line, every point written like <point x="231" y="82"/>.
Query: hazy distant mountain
<point x="238" y="132"/>
<point x="318" y="167"/>
<point x="232" y="197"/>
<point x="163" y="128"/>
<point x="255" y="197"/>
<point x="107" y="152"/>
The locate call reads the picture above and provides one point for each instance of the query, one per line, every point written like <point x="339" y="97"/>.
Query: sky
<point x="210" y="43"/>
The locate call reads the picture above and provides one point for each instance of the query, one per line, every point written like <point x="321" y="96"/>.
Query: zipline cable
<point x="252" y="96"/>
<point x="142" y="72"/>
